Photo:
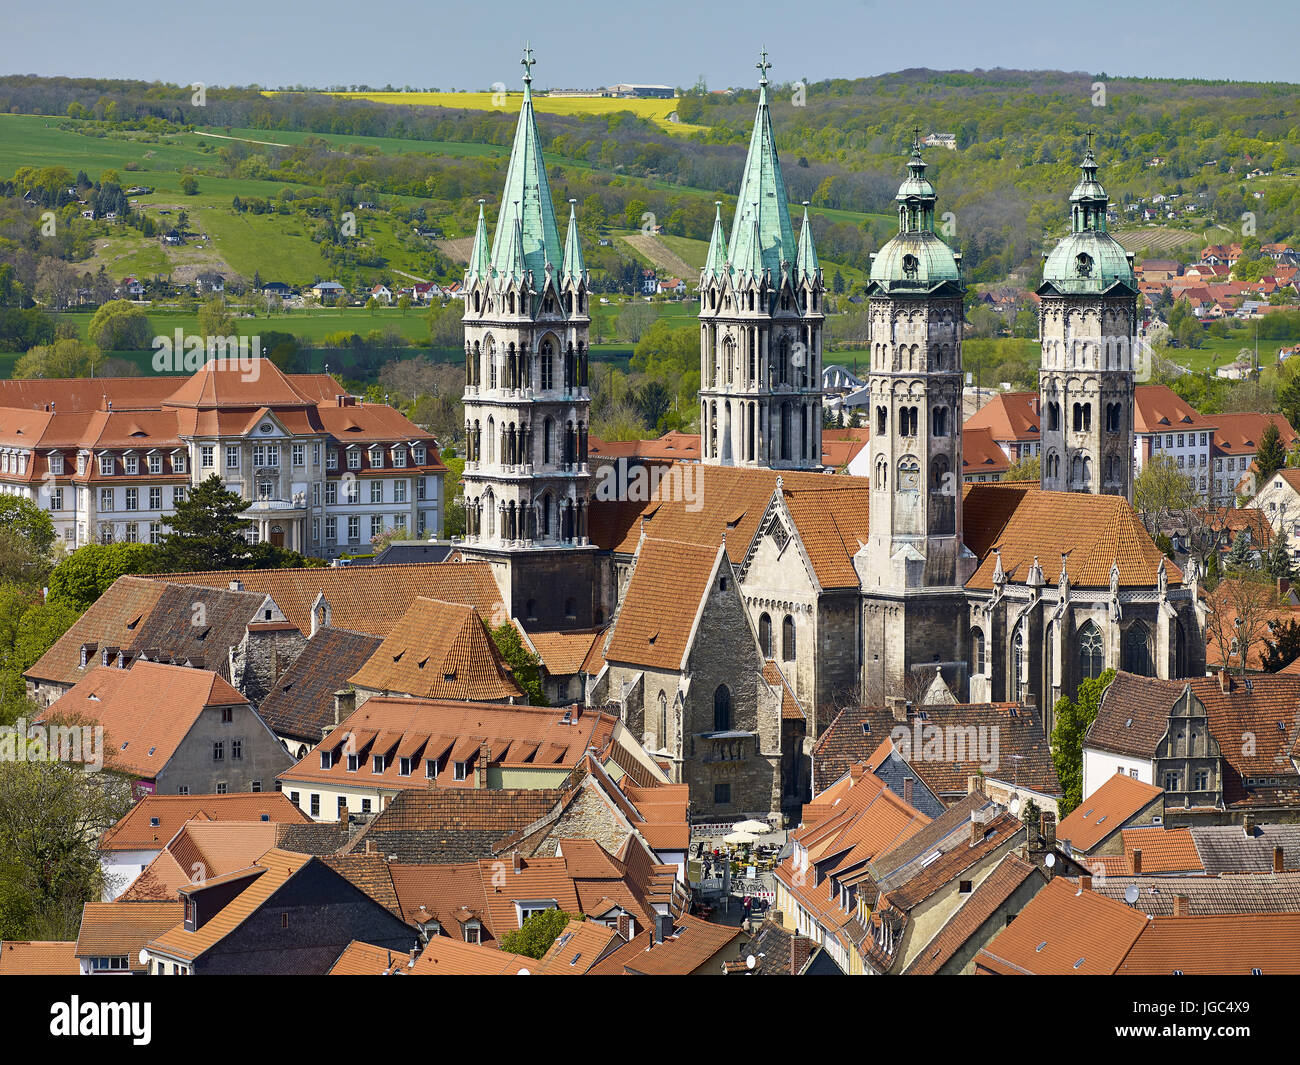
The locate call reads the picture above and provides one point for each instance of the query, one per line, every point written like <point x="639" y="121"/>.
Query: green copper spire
<point x="1089" y="259"/>
<point x="573" y="268"/>
<point x="762" y="213"/>
<point x="715" y="265"/>
<point x="809" y="267"/>
<point x="478" y="259"/>
<point x="526" y="202"/>
<point x="916" y="196"/>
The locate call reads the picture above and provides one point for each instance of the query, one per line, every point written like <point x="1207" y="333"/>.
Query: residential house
<point x="1235" y="444"/>
<point x="1094" y="826"/>
<point x="112" y="934"/>
<point x="982" y="457"/>
<point x="29" y="958"/>
<point x="1166" y="424"/>
<point x="1012" y="419"/>
<point x="209" y="282"/>
<point x="328" y="291"/>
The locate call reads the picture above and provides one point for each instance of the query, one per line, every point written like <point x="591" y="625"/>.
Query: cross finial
<point x="763" y="66"/>
<point x="916" y="137"/>
<point x="1092" y="133"/>
<point x="527" y="62"/>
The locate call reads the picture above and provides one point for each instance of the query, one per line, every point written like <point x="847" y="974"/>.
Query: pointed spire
<point x="762" y="197"/>
<point x="809" y="267"/>
<point x="715" y="264"/>
<point x="573" y="268"/>
<point x="479" y="266"/>
<point x="526" y="203"/>
<point x="512" y="265"/>
<point x="751" y="249"/>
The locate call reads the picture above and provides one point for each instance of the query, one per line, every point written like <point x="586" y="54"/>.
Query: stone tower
<point x="761" y="323"/>
<point x="914" y="565"/>
<point x="526" y="400"/>
<point x="1088" y="326"/>
<point x="526" y="330"/>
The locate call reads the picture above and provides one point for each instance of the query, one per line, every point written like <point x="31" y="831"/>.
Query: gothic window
<point x="882" y="473"/>
<point x="765" y="634"/>
<point x="909" y="475"/>
<point x="663" y="720"/>
<point x="907" y="421"/>
<point x="1016" y="687"/>
<point x="787" y="639"/>
<point x="977" y="663"/>
<point x="1137" y="650"/>
<point x="1113" y="411"/>
<point x="546" y="359"/>
<point x="939" y="416"/>
<point x="786" y="430"/>
<point x="1092" y="652"/>
<point x="1080" y="471"/>
<point x="722" y="709"/>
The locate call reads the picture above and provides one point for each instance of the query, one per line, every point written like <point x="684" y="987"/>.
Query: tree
<point x="634" y="320"/>
<point x="1271" y="455"/>
<point x="453" y="518"/>
<point x="1073" y="717"/>
<point x="51" y="815"/>
<point x="1026" y="469"/>
<point x="1279" y="563"/>
<point x="216" y="320"/>
<point x="525" y="665"/>
<point x="535" y="936"/>
<point x="1283" y="648"/>
<point x="1241" y="556"/>
<point x="90" y="571"/>
<point x="23" y="517"/>
<point x="119" y="325"/>
<point x="206" y="530"/>
<point x="1241" y="610"/>
<point x="190" y="185"/>
<point x="63" y="358"/>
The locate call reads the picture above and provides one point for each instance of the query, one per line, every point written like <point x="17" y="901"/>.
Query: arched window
<point x="1092" y="652"/>
<point x="939" y="473"/>
<point x="787" y="639"/>
<point x="1053" y="416"/>
<point x="977" y="664"/>
<point x="663" y="720"/>
<point x="765" y="634"/>
<point x="722" y="709"/>
<point x="882" y="420"/>
<point x="882" y="473"/>
<point x="1137" y="650"/>
<point x="1016" y="686"/>
<point x="939" y="416"/>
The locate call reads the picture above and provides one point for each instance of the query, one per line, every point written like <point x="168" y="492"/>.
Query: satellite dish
<point x="1050" y="861"/>
<point x="1131" y="894"/>
<point x="523" y="972"/>
<point x="1015" y="805"/>
<point x="750" y="962"/>
<point x="144" y="956"/>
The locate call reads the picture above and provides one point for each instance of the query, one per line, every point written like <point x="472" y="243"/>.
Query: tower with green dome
<point x="526" y="325"/>
<point x="1088" y="327"/>
<point x="761" y="323"/>
<point x="915" y="564"/>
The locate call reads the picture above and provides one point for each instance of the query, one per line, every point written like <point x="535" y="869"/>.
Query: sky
<point x="587" y="45"/>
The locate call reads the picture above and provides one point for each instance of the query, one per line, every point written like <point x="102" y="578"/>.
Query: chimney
<point x="625" y="926"/>
<point x="1283" y="586"/>
<point x="345" y="704"/>
<point x="481" y="766"/>
<point x="1137" y="861"/>
<point x="974" y="785"/>
<point x="897" y="707"/>
<point x="1181" y="906"/>
<point x="1248" y="825"/>
<point x="907" y="790"/>
<point x="1085" y="884"/>
<point x="370" y="846"/>
<point x="856" y="771"/>
<point x="413" y="955"/>
<point x="1279" y="862"/>
<point x="800" y="952"/>
<point x="343" y="817"/>
<point x="236" y="585"/>
<point x="1047" y="829"/>
<point x="517" y="861"/>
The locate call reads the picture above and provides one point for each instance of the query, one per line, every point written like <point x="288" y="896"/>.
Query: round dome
<point x="1089" y="261"/>
<point x="915" y="186"/>
<point x="918" y="259"/>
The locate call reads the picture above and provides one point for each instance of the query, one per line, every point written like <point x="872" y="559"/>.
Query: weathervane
<point x="764" y="66"/>
<point x="527" y="61"/>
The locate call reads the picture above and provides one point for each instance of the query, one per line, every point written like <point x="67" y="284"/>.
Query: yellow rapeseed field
<point x="655" y="110"/>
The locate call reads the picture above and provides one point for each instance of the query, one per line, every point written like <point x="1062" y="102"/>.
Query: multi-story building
<point x="109" y="459"/>
<point x="1166" y="424"/>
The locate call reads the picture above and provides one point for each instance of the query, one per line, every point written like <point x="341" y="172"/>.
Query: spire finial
<point x="764" y="66"/>
<point x="916" y="138"/>
<point x="527" y="62"/>
<point x="1092" y="133"/>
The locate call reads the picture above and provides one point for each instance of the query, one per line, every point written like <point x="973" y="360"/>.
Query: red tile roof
<point x="136" y="832"/>
<point x="1106" y="810"/>
<point x="28" y="958"/>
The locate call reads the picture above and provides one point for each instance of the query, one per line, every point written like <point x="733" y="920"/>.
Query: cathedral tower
<point x="1088" y="326"/>
<point x="526" y="329"/>
<point x="914" y="565"/>
<point x="761" y="323"/>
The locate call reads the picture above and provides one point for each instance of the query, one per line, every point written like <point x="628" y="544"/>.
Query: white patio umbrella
<point x="737" y="838"/>
<point x="758" y="828"/>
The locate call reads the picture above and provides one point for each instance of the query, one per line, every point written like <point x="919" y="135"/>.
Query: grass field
<point x="1217" y="351"/>
<point x="655" y="110"/>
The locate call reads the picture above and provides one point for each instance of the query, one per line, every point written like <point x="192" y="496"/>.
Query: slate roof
<point x="439" y="650"/>
<point x="1133" y="715"/>
<point x="301" y="702"/>
<point x="1209" y="894"/>
<point x="1228" y="849"/>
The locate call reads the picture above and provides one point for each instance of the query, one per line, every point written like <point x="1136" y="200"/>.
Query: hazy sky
<point x="472" y="45"/>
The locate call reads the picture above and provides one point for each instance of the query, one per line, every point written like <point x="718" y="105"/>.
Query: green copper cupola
<point x="916" y="196"/>
<point x="1088" y="259"/>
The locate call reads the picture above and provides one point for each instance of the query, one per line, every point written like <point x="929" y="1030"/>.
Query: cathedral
<point x="821" y="591"/>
